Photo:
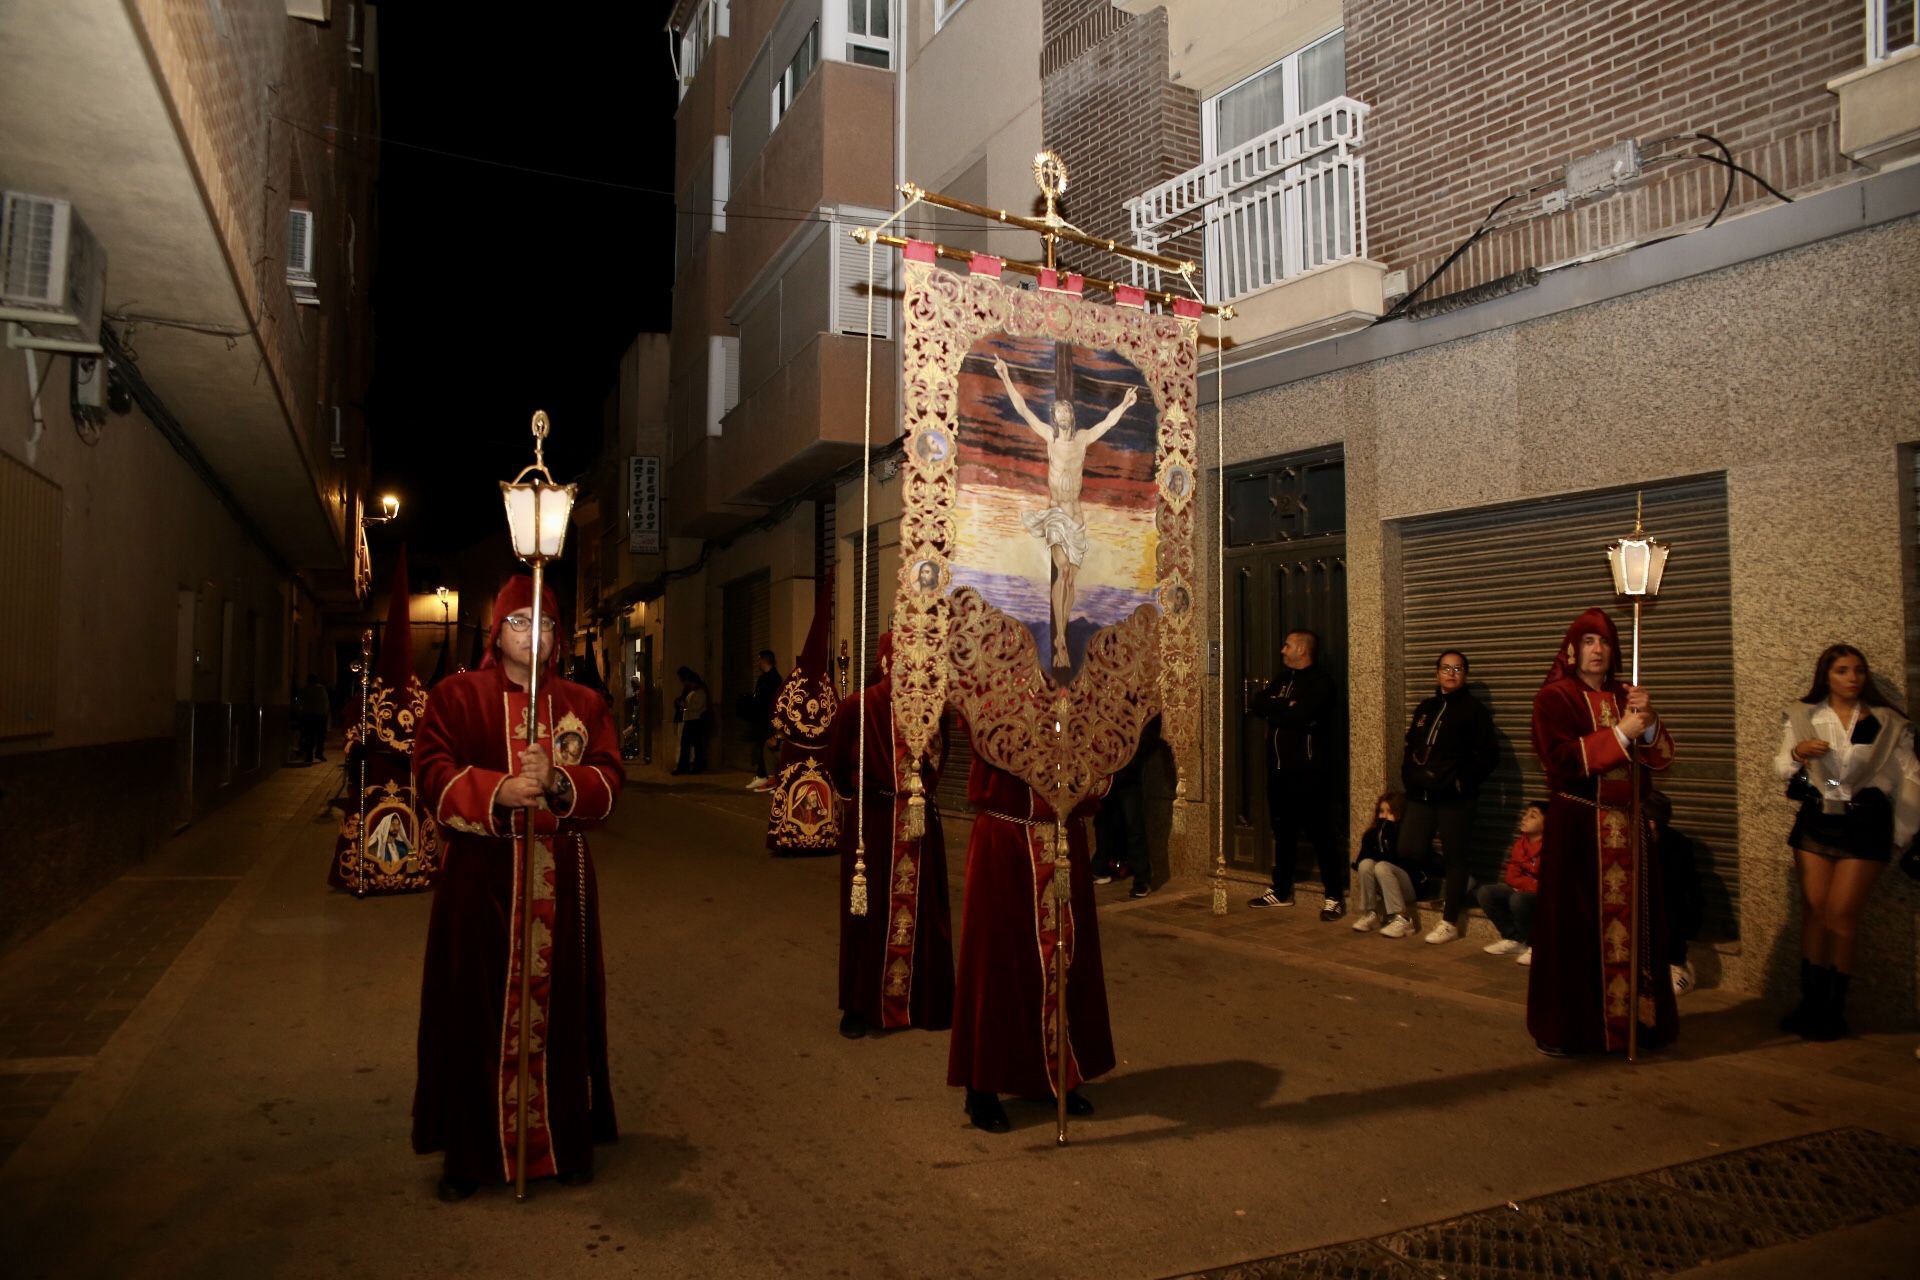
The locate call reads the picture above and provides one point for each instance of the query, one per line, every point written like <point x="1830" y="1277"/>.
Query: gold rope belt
<point x="1591" y="804"/>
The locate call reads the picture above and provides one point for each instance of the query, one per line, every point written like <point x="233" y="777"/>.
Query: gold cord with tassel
<point x="916" y="824"/>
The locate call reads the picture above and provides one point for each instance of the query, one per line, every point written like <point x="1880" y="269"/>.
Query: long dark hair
<point x="1394" y="800"/>
<point x="1870" y="693"/>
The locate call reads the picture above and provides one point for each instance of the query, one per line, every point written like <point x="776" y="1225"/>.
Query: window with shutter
<point x="853" y="287"/>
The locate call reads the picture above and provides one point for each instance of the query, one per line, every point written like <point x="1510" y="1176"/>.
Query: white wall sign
<point x="643" y="504"/>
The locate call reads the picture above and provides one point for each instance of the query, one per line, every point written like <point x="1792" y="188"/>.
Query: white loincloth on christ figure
<point x="1056" y="528"/>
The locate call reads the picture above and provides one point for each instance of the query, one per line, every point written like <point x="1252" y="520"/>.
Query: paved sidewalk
<point x="223" y="1089"/>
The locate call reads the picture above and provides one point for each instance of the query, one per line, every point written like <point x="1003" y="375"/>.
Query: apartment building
<point x="1501" y="271"/>
<point x="188" y="241"/>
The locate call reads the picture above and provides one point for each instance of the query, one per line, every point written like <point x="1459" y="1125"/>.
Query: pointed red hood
<point x="1566" y="663"/>
<point x="515" y="595"/>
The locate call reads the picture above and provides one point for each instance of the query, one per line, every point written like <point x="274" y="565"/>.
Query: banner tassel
<point x="916" y="823"/>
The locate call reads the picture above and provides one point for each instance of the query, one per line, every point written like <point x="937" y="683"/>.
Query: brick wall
<point x="1110" y="112"/>
<point x="1474" y="100"/>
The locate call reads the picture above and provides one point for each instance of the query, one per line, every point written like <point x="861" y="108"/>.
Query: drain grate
<point x="1787" y="1185"/>
<point x="1503" y="1245"/>
<point x="1359" y="1260"/>
<point x="1648" y="1225"/>
<point x="1657" y="1227"/>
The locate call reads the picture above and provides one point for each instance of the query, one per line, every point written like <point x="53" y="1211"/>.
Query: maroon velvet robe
<point x="1577" y="991"/>
<point x="465" y="1099"/>
<point x="1005" y="1002"/>
<point x="896" y="961"/>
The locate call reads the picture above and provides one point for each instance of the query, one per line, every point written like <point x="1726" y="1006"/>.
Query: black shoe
<point x="1271" y="899"/>
<point x="985" y="1111"/>
<point x="1813" y="990"/>
<point x="453" y="1190"/>
<point x="575" y="1178"/>
<point x="1828" y="1020"/>
<point x="1549" y="1050"/>
<point x="853" y="1026"/>
<point x="1333" y="909"/>
<point x="1141" y="888"/>
<point x="1077" y="1105"/>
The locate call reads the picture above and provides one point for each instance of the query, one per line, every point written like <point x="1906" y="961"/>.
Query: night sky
<point x="499" y="291"/>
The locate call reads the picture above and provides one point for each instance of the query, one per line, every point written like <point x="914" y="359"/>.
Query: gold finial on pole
<point x="1050" y="175"/>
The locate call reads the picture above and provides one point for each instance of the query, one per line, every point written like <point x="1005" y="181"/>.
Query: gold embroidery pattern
<point x="392" y="714"/>
<point x="803" y="814"/>
<point x="1133" y="670"/>
<point x="804" y="710"/>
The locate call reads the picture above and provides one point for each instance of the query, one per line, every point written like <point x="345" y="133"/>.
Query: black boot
<point x="985" y="1111"/>
<point x="1812" y="983"/>
<point x="1829" y="1020"/>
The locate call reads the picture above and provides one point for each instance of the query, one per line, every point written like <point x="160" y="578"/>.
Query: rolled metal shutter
<point x="1912" y="575"/>
<point x="1502" y="585"/>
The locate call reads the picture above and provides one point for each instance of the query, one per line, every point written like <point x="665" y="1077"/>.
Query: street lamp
<point x="1638" y="563"/>
<point x="389" y="508"/>
<point x="537" y="514"/>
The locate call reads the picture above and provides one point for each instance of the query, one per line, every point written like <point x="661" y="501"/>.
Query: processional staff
<point x="537" y="515"/>
<point x="366" y="669"/>
<point x="1637" y="562"/>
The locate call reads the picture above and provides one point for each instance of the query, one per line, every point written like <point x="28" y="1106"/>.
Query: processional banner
<point x="1047" y="559"/>
<point x="388" y="842"/>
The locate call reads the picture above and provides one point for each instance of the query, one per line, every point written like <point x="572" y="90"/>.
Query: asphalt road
<point x="1278" y="1088"/>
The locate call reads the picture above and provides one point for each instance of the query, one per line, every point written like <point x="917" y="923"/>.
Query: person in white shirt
<point x="1848" y="758"/>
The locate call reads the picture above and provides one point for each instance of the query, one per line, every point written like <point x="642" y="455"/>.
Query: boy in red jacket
<point x="1509" y="904"/>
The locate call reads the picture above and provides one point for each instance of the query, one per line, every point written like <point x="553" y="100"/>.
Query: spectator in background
<point x="1450" y="750"/>
<point x="1300" y="705"/>
<point x="1509" y="902"/>
<point x="690" y="710"/>
<point x="757" y="710"/>
<point x="315" y="712"/>
<point x="1120" y="830"/>
<point x="1679" y="864"/>
<point x="1385" y="880"/>
<point x="1848" y="758"/>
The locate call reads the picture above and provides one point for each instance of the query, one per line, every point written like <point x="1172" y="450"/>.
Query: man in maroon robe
<point x="1586" y="726"/>
<point x="1007" y="1002"/>
<point x="896" y="961"/>
<point x="484" y="783"/>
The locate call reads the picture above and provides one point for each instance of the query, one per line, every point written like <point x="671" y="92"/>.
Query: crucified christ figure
<point x="1061" y="524"/>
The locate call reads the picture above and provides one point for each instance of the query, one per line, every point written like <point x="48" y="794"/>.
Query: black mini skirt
<point x="1864" y="831"/>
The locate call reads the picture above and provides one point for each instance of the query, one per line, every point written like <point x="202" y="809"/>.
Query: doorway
<point x="1286" y="571"/>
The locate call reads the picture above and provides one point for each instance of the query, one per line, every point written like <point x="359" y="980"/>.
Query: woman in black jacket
<point x="1451" y="748"/>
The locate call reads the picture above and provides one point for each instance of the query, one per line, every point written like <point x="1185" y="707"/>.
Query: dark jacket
<point x="766" y="691"/>
<point x="1451" y="747"/>
<point x="1299" y="708"/>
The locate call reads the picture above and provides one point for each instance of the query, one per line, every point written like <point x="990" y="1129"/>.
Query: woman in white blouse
<point x="1848" y="758"/>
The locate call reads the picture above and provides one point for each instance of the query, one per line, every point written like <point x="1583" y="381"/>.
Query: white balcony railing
<point x="1288" y="201"/>
<point x="1892" y="25"/>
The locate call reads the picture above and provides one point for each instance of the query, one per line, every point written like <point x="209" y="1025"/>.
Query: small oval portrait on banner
<point x="933" y="447"/>
<point x="926" y="576"/>
<point x="1178" y="481"/>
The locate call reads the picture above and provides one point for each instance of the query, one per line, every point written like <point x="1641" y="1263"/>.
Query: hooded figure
<point x="1578" y="993"/>
<point x="804" y="818"/>
<point x="486" y="786"/>
<point x="401" y="850"/>
<point x="896" y="961"/>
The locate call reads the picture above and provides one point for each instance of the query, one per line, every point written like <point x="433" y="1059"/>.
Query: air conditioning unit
<point x="53" y="275"/>
<point x="300" y="277"/>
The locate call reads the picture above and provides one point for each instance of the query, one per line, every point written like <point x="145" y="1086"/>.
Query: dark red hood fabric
<point x="394" y="666"/>
<point x="1566" y="663"/>
<point x="882" y="659"/>
<point x="517" y="594"/>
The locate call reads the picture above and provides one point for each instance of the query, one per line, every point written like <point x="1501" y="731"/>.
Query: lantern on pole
<point x="537" y="514"/>
<point x="1638" y="562"/>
